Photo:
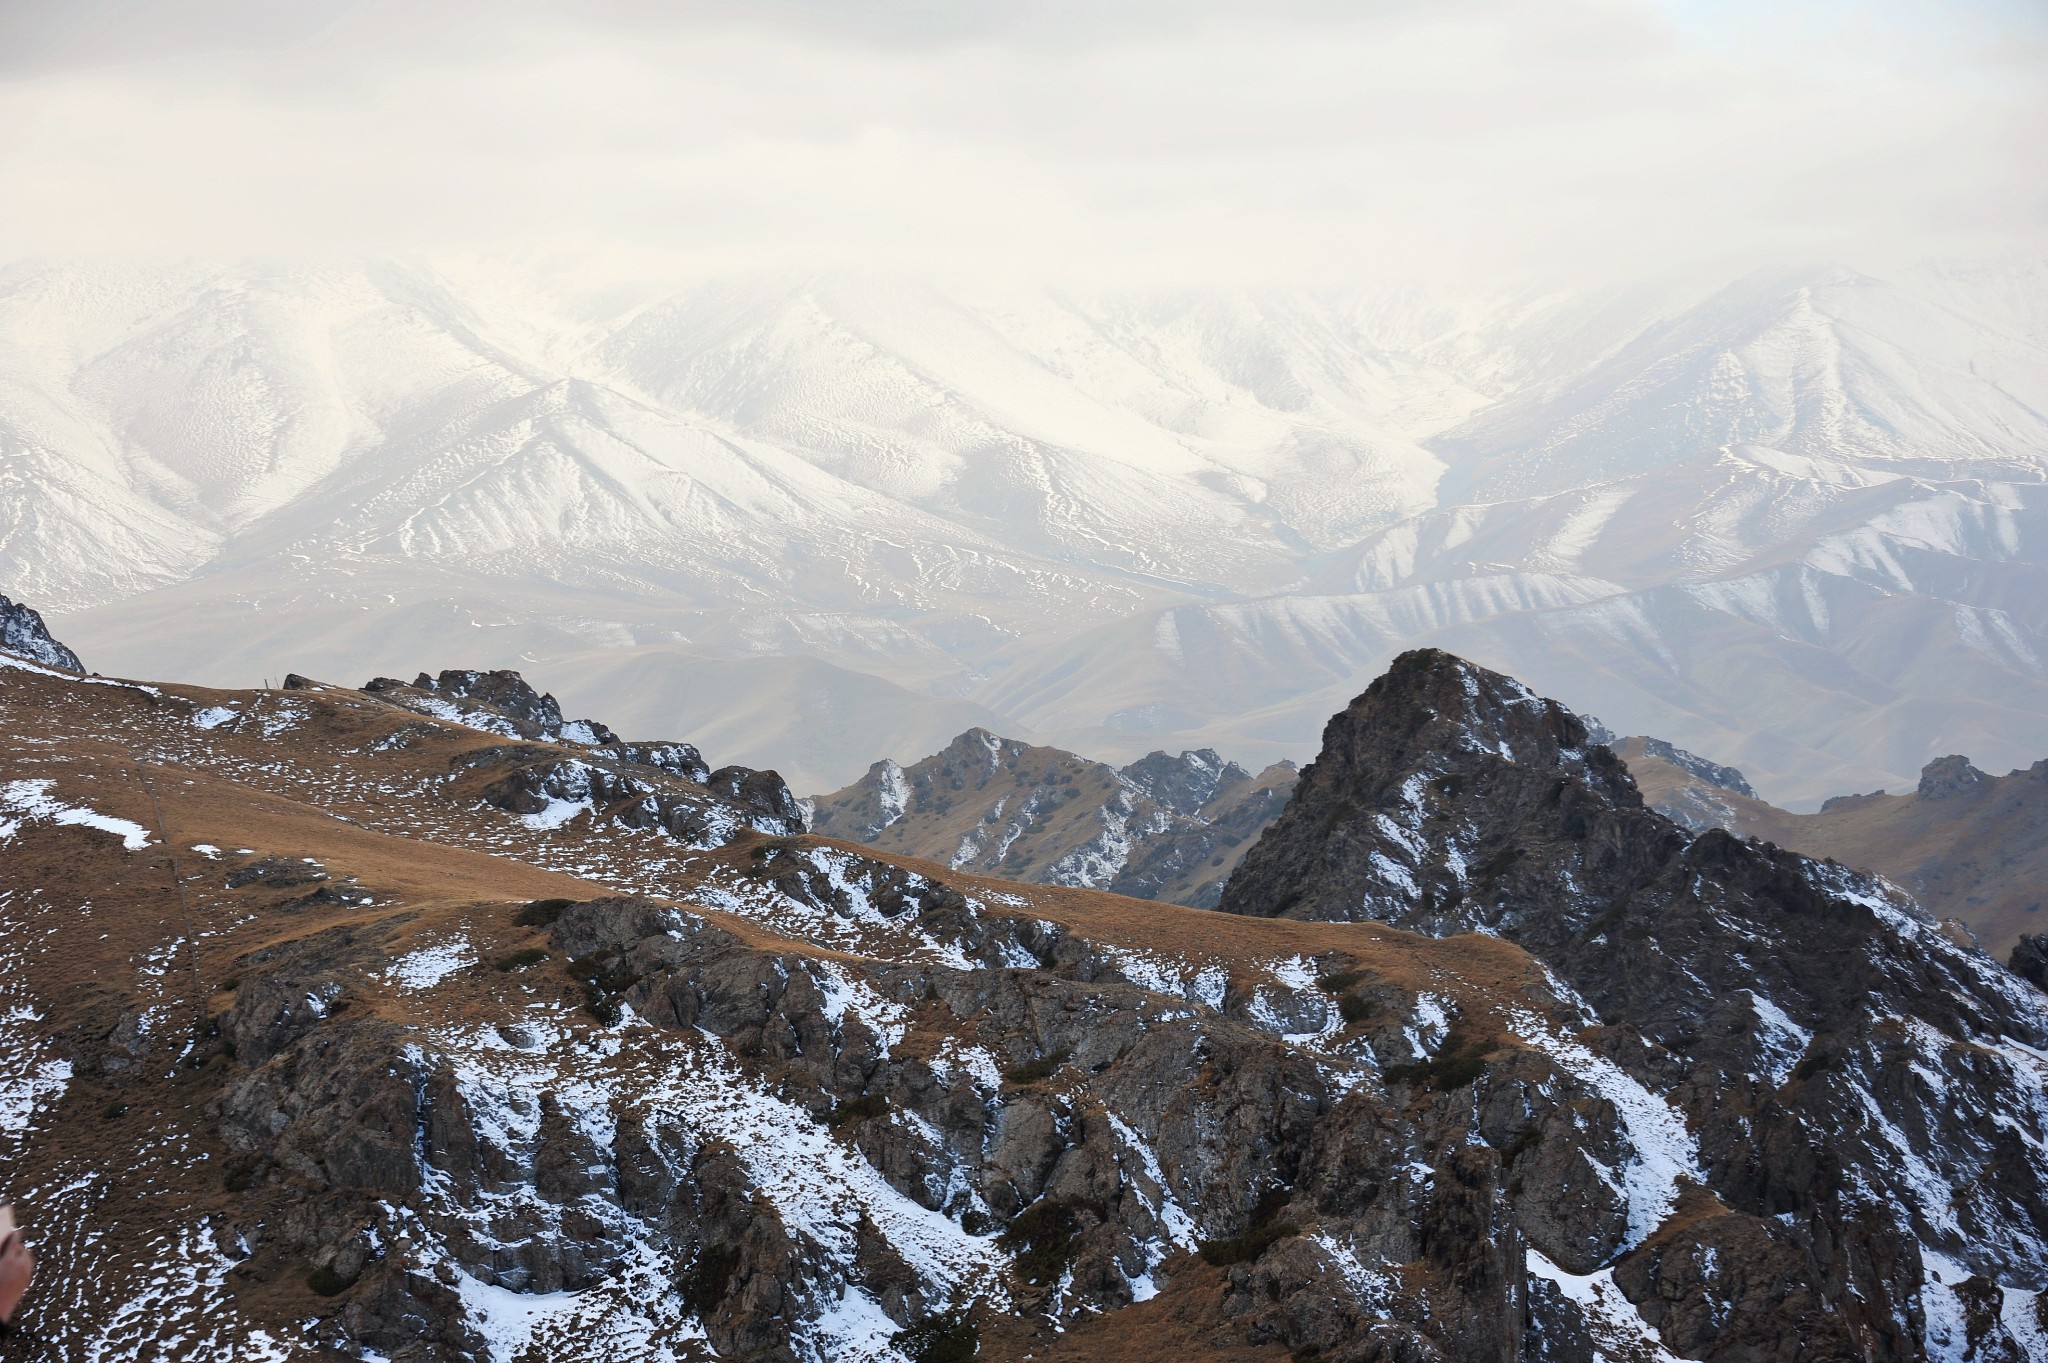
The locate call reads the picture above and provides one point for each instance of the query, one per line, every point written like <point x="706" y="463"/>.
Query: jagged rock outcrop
<point x="501" y="702"/>
<point x="1165" y="827"/>
<point x="23" y="634"/>
<point x="701" y="813"/>
<point x="2029" y="960"/>
<point x="618" y="780"/>
<point x="1946" y="777"/>
<point x="1866" y="1092"/>
<point x="1038" y="1125"/>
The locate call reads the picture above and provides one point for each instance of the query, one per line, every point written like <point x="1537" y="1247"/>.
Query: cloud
<point x="1193" y="141"/>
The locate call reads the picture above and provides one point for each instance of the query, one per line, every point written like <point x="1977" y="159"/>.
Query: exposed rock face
<point x="1947" y="777"/>
<point x="501" y="702"/>
<point x="1041" y="1137"/>
<point x="616" y="780"/>
<point x="791" y="1098"/>
<point x="2029" y="960"/>
<point x="1164" y="827"/>
<point x="1779" y="1001"/>
<point x="707" y="813"/>
<point x="23" y="634"/>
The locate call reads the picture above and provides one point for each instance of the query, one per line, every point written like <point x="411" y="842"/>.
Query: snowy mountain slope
<point x="1826" y="363"/>
<point x="1116" y="522"/>
<point x="1819" y="624"/>
<point x="1137" y="429"/>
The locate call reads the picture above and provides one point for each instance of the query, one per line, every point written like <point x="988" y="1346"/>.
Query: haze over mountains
<point x="1794" y="524"/>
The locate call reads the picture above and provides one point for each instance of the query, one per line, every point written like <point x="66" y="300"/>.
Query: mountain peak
<point x="1385" y="821"/>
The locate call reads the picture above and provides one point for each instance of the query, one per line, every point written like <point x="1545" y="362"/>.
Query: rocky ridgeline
<point x="1865" y="1088"/>
<point x="23" y="634"/>
<point x="1164" y="827"/>
<point x="1623" y="1094"/>
<point x="1965" y="844"/>
<point x="637" y="785"/>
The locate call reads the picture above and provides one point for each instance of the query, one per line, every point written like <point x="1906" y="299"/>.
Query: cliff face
<point x="1849" y="1070"/>
<point x="1164" y="827"/>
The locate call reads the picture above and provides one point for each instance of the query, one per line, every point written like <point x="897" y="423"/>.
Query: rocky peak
<point x="23" y="634"/>
<point x="1436" y="751"/>
<point x="1186" y="783"/>
<point x="1947" y="777"/>
<point x="1775" y="998"/>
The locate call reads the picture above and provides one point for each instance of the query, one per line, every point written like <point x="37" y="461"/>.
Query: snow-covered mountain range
<point x="1795" y="524"/>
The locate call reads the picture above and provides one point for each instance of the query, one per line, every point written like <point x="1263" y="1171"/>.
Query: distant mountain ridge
<point x="1967" y="845"/>
<point x="1163" y="827"/>
<point x="1798" y="521"/>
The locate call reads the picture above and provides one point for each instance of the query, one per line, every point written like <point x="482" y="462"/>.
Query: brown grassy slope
<point x="1979" y="855"/>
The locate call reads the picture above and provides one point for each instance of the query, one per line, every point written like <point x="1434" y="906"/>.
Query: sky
<point x="1169" y="141"/>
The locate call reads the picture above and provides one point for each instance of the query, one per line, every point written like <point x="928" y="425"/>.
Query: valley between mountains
<point x="423" y="1021"/>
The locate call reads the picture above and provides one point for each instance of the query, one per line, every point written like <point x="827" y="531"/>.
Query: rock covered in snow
<point x="23" y="634"/>
<point x="501" y="702"/>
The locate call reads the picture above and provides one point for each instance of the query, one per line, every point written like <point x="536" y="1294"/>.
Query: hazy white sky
<point x="1300" y="140"/>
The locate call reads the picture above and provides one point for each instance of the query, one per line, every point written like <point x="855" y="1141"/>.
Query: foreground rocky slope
<point x="314" y="1047"/>
<point x="1163" y="827"/>
<point x="1965" y="844"/>
<point x="1861" y="1090"/>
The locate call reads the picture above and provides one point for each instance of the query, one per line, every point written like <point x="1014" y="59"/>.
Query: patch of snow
<point x="1618" y="1330"/>
<point x="1295" y="972"/>
<point x="428" y="966"/>
<point x="1426" y="1030"/>
<point x="1948" y="1333"/>
<point x="23" y="665"/>
<point x="31" y="801"/>
<point x="557" y="813"/>
<point x="854" y="1329"/>
<point x="1372" y="1287"/>
<point x="1146" y="970"/>
<point x="1663" y="1149"/>
<point x="1784" y="1040"/>
<point x="2020" y="1310"/>
<point x="213" y="716"/>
